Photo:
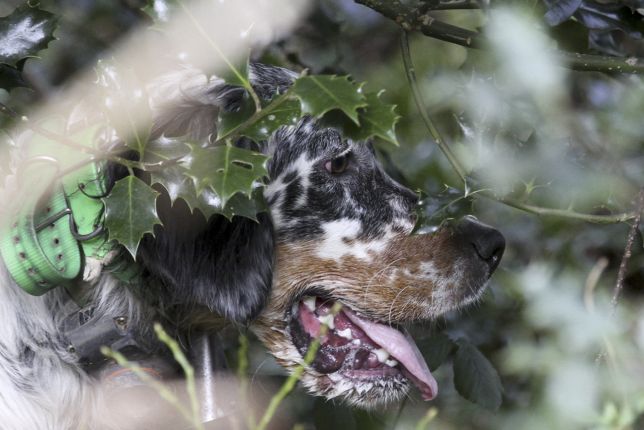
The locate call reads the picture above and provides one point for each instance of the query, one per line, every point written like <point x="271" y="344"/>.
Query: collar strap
<point x="47" y="239"/>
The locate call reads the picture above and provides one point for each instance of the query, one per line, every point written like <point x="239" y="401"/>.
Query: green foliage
<point x="321" y="94"/>
<point x="475" y="378"/>
<point x="130" y="212"/>
<point x="225" y="169"/>
<point x="376" y="119"/>
<point x="436" y="349"/>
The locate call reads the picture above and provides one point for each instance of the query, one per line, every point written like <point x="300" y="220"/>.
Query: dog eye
<point x="337" y="165"/>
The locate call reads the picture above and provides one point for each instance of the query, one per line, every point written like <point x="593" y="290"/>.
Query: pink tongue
<point x="403" y="349"/>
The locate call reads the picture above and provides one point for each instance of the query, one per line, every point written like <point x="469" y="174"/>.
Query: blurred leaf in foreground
<point x="130" y="212"/>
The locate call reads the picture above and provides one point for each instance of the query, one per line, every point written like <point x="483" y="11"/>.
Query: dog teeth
<point x="294" y="309"/>
<point x="391" y="362"/>
<point x="356" y="342"/>
<point x="310" y="303"/>
<point x="328" y="320"/>
<point x="346" y="333"/>
<point x="381" y="354"/>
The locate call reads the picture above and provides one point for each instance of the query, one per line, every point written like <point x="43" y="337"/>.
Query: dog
<point x="334" y="250"/>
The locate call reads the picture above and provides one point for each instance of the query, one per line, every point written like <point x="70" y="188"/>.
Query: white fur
<point x="50" y="392"/>
<point x="339" y="241"/>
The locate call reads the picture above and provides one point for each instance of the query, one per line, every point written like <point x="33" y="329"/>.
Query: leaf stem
<point x="187" y="368"/>
<point x="630" y="240"/>
<point x="243" y="79"/>
<point x="259" y="114"/>
<point x="431" y="127"/>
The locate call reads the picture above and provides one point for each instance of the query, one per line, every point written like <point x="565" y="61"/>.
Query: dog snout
<point x="488" y="242"/>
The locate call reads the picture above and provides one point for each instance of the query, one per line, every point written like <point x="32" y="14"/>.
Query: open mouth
<point x="357" y="348"/>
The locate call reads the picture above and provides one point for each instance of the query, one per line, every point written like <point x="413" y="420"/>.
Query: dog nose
<point x="488" y="242"/>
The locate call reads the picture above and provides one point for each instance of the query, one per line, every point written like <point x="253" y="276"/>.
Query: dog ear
<point x="226" y="266"/>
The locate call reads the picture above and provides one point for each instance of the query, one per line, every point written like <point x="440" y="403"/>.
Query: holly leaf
<point x="131" y="212"/>
<point x="25" y="32"/>
<point x="126" y="104"/>
<point x="171" y="151"/>
<point x="226" y="170"/>
<point x="174" y="178"/>
<point x="323" y="93"/>
<point x="376" y="119"/>
<point x="475" y="378"/>
<point x="11" y="77"/>
<point x="227" y="122"/>
<point x="287" y="113"/>
<point x="237" y="73"/>
<point x="241" y="205"/>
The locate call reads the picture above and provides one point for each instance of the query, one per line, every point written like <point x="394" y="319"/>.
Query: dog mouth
<point x="356" y="348"/>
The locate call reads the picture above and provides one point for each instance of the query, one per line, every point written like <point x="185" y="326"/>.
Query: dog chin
<point x="363" y="393"/>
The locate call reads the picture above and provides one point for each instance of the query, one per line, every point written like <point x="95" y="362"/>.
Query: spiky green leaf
<point x="173" y="177"/>
<point x="323" y="93"/>
<point x="130" y="212"/>
<point x="475" y="378"/>
<point x="287" y="113"/>
<point x="229" y="122"/>
<point x="376" y="119"/>
<point x="25" y="32"/>
<point x="226" y="170"/>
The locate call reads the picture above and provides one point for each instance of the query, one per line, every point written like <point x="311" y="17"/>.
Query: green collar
<point x="48" y="238"/>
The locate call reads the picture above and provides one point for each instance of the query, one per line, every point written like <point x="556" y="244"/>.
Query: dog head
<point x="339" y="234"/>
<point x="343" y="238"/>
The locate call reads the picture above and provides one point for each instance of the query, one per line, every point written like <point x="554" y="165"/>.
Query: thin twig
<point x="242" y="375"/>
<point x="563" y="213"/>
<point x="431" y="127"/>
<point x="623" y="265"/>
<point x="188" y="371"/>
